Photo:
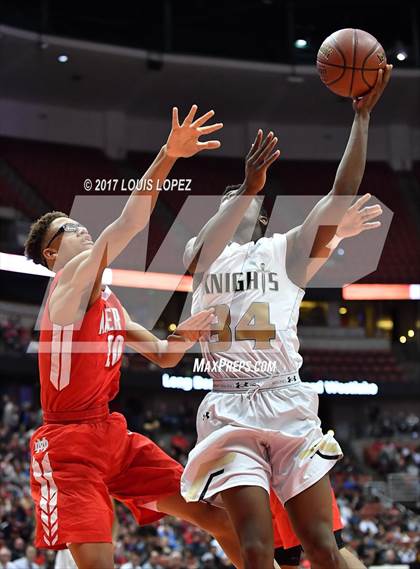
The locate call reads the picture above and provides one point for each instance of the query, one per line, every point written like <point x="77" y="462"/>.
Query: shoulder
<point x="66" y="273"/>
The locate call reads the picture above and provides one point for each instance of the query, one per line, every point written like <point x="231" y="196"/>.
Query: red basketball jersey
<point x="79" y="364"/>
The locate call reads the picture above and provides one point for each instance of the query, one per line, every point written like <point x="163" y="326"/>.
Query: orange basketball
<point x="348" y="62"/>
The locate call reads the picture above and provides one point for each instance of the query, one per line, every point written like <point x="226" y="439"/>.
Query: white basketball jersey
<point x="257" y="309"/>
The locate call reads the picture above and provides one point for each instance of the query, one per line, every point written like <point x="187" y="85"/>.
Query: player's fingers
<point x="204" y="335"/>
<point x="372" y="97"/>
<point x="208" y="312"/>
<point x="211" y="128"/>
<point x="387" y="75"/>
<point x="201" y="120"/>
<point x="371" y="212"/>
<point x="268" y="161"/>
<point x="199" y="317"/>
<point x="262" y="147"/>
<point x="267" y="151"/>
<point x="266" y="142"/>
<point x="256" y="144"/>
<point x="194" y="322"/>
<point x="189" y="118"/>
<point x="206" y="324"/>
<point x="203" y="325"/>
<point x="379" y="86"/>
<point x="210" y="145"/>
<point x="258" y="137"/>
<point x="360" y="202"/>
<point x="203" y="315"/>
<point x="175" y="118"/>
<point x="379" y="80"/>
<point x="371" y="225"/>
<point x="372" y="208"/>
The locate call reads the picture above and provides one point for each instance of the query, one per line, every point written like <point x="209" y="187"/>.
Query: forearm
<point x="315" y="264"/>
<point x="352" y="166"/>
<point x="167" y="353"/>
<point x="173" y="350"/>
<point x="164" y="353"/>
<point x="136" y="213"/>
<point x="220" y="229"/>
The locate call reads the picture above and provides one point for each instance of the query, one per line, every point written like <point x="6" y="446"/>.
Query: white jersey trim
<point x="61" y="348"/>
<point x="43" y="474"/>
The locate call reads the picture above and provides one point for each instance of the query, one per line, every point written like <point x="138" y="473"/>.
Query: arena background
<point x="86" y="92"/>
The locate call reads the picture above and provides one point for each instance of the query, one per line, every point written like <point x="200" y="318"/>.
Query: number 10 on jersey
<point x="115" y="349"/>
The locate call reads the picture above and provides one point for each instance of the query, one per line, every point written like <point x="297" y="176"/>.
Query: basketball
<point x="348" y="62"/>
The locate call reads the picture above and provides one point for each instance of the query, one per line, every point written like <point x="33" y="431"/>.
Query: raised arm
<point x="309" y="239"/>
<point x="357" y="219"/>
<point x="169" y="352"/>
<point x="217" y="232"/>
<point x="80" y="281"/>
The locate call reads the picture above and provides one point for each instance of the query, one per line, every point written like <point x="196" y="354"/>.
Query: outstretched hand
<point x="358" y="218"/>
<point x="259" y="158"/>
<point x="196" y="327"/>
<point x="365" y="104"/>
<point x="183" y="140"/>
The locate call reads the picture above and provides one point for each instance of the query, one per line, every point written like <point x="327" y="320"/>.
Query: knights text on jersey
<point x="257" y="308"/>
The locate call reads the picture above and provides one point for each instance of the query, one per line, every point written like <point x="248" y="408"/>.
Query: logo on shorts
<point x="206" y="415"/>
<point x="41" y="445"/>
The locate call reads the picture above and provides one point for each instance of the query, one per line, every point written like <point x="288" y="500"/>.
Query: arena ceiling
<point x="252" y="30"/>
<point x="147" y="83"/>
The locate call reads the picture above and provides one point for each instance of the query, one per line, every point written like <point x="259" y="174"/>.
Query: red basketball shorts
<point x="284" y="535"/>
<point x="75" y="470"/>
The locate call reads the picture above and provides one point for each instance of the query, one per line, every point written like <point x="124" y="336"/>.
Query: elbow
<point x="163" y="363"/>
<point x="168" y="363"/>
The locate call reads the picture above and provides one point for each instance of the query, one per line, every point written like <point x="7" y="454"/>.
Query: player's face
<point x="69" y="238"/>
<point x="251" y="216"/>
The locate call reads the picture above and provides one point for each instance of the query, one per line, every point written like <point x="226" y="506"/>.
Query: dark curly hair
<point x="34" y="242"/>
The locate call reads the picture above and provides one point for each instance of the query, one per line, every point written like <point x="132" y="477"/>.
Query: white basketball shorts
<point x="262" y="436"/>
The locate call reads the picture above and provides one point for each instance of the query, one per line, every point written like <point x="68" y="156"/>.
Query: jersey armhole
<point x="280" y="253"/>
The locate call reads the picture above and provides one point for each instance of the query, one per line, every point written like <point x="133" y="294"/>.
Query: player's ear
<point x="263" y="219"/>
<point x="50" y="255"/>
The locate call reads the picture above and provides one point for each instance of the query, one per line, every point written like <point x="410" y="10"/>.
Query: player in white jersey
<point x="259" y="427"/>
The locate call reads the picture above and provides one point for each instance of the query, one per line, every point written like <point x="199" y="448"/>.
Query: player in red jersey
<point x="83" y="455"/>
<point x="287" y="547"/>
